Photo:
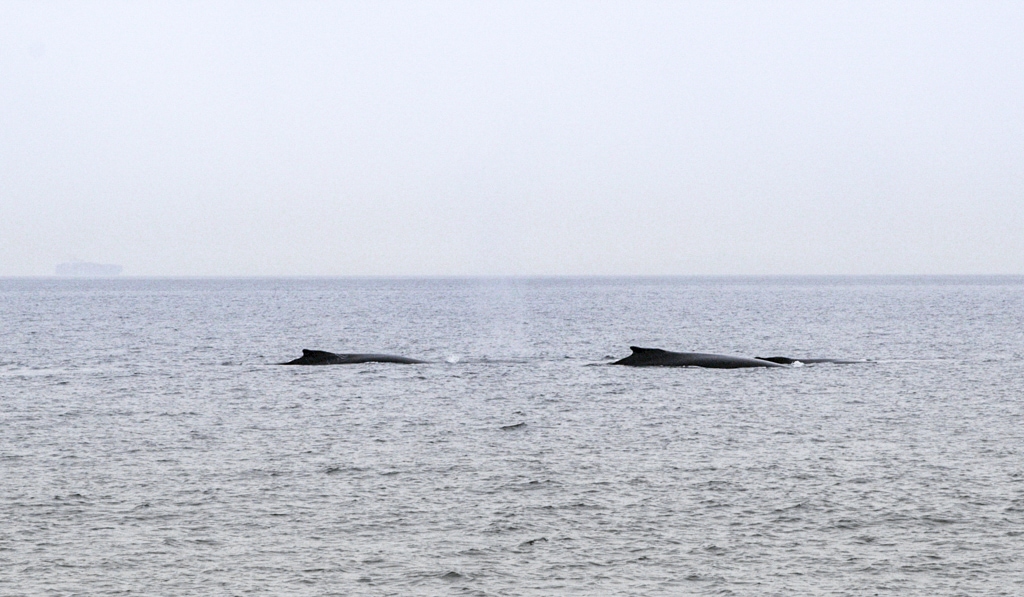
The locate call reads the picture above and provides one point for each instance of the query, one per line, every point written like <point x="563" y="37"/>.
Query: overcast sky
<point x="455" y="138"/>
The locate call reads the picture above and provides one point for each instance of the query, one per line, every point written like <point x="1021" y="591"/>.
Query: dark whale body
<point x="322" y="357"/>
<point x="789" y="361"/>
<point x="656" y="357"/>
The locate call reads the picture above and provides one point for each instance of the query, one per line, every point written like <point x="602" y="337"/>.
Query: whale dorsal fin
<point x="314" y="353"/>
<point x="639" y="350"/>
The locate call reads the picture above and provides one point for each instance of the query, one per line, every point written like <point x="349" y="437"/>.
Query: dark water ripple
<point x="149" y="446"/>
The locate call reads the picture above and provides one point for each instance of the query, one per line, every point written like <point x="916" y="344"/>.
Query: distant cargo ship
<point x="82" y="269"/>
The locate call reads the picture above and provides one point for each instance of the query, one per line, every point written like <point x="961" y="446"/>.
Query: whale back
<point x="780" y="360"/>
<point x="656" y="357"/>
<point x="322" y="357"/>
<point x="790" y="361"/>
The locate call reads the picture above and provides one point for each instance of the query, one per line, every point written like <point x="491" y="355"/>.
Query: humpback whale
<point x="322" y="357"/>
<point x="656" y="357"/>
<point x="789" y="361"/>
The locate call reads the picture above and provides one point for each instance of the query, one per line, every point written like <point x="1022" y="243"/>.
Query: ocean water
<point x="149" y="445"/>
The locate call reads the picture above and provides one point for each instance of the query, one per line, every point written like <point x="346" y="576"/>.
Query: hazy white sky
<point x="438" y="138"/>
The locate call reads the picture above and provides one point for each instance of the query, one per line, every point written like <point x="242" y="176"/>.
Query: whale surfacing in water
<point x="322" y="357"/>
<point x="790" y="361"/>
<point x="656" y="357"/>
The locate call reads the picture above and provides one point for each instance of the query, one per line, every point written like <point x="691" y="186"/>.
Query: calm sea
<point x="149" y="445"/>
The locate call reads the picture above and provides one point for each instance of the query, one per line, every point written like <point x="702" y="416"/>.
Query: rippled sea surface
<point x="149" y="445"/>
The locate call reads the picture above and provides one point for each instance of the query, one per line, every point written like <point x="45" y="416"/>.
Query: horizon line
<point x="484" y="276"/>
